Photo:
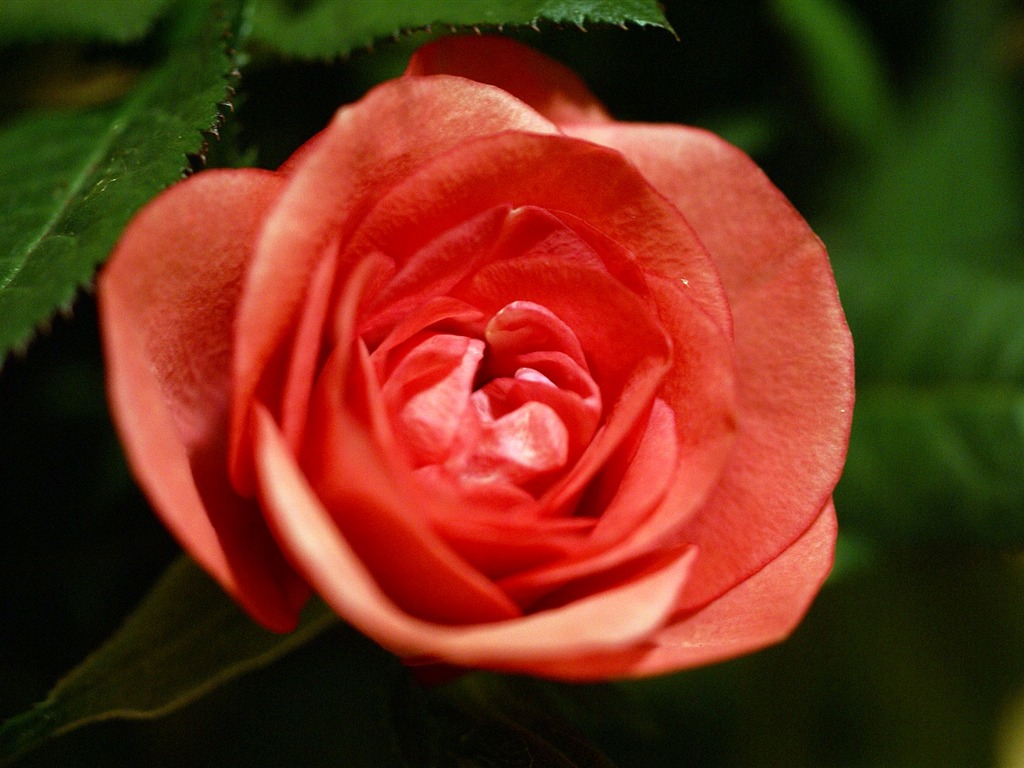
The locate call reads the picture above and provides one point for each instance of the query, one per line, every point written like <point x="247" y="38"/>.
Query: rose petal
<point x="366" y="149"/>
<point x="639" y="490"/>
<point x="519" y="447"/>
<point x="431" y="272"/>
<point x="167" y="303"/>
<point x="701" y="390"/>
<point x="759" y="611"/>
<point x="615" y="619"/>
<point x="523" y="327"/>
<point x="580" y="415"/>
<point x="635" y="480"/>
<point x="616" y="330"/>
<point x="306" y="351"/>
<point x="510" y="539"/>
<point x="625" y="346"/>
<point x="793" y="350"/>
<point x="428" y="393"/>
<point x="441" y="313"/>
<point x="582" y="179"/>
<point x="494" y="234"/>
<point x="552" y="89"/>
<point x="377" y="506"/>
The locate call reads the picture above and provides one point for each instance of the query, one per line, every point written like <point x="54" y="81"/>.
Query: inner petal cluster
<point x="505" y="402"/>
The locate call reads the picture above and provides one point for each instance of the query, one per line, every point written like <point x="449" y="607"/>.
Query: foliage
<point x="184" y="640"/>
<point x="327" y="28"/>
<point x="70" y="180"/>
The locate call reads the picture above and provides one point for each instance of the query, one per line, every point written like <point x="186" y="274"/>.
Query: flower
<point x="510" y="384"/>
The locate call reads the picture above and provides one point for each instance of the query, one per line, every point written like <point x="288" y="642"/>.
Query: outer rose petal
<point x="167" y="302"/>
<point x="757" y="612"/>
<point x="794" y="354"/>
<point x="552" y="89"/>
<point x="617" y="618"/>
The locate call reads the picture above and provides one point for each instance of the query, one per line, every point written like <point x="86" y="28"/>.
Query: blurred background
<point x="895" y="127"/>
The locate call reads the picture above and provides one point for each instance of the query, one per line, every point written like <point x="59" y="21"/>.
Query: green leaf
<point x="937" y="451"/>
<point x="119" y="21"/>
<point x="330" y="28"/>
<point x="185" y="639"/>
<point x="927" y="251"/>
<point x="70" y="181"/>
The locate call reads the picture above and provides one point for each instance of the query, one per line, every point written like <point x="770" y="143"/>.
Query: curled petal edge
<point x="616" y="619"/>
<point x="167" y="299"/>
<point x="549" y="87"/>
<point x="758" y="612"/>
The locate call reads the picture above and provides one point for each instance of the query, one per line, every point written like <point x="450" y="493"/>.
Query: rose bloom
<point x="509" y="384"/>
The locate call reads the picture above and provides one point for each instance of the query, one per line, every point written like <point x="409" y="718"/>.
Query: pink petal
<point x="522" y="327"/>
<point x="536" y="232"/>
<point x="701" y="391"/>
<point x="366" y="149"/>
<point x="532" y="356"/>
<point x="549" y="87"/>
<point x="439" y="312"/>
<point x="635" y="480"/>
<point x="646" y="494"/>
<point x="376" y="505"/>
<point x="616" y="330"/>
<point x="306" y="353"/>
<point x="580" y="415"/>
<point x="626" y="347"/>
<point x="428" y="394"/>
<point x="529" y="442"/>
<point x="794" y="355"/>
<point x="167" y="302"/>
<point x="494" y="234"/>
<point x="500" y="541"/>
<point x="431" y="272"/>
<point x="639" y="490"/>
<point x="759" y="611"/>
<point x="578" y="178"/>
<point x="615" y="619"/>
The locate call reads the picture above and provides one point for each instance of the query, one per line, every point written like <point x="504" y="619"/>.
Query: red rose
<point x="509" y="384"/>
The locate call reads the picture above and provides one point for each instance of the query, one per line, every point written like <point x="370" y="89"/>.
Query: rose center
<point x="509" y="402"/>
